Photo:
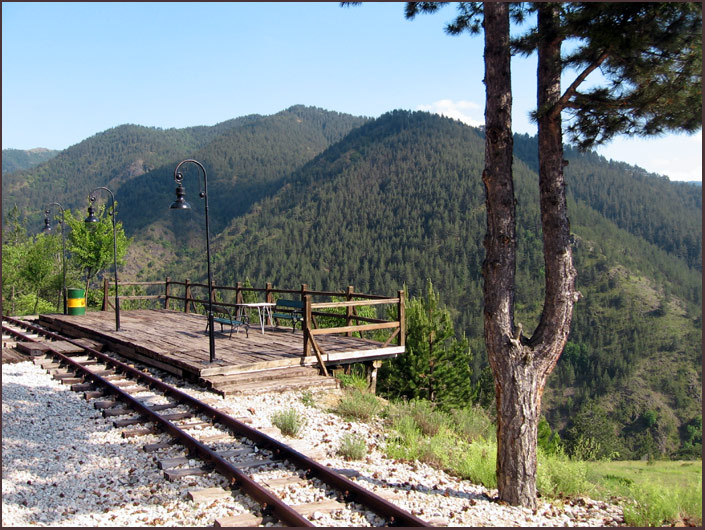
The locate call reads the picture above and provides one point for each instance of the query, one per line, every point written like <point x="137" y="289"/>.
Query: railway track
<point x="213" y="440"/>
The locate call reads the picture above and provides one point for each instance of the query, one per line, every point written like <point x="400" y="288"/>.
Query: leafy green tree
<point x="436" y="365"/>
<point x="592" y="435"/>
<point x="91" y="246"/>
<point x="30" y="273"/>
<point x="31" y="268"/>
<point x="14" y="249"/>
<point x="692" y="434"/>
<point x="547" y="439"/>
<point x="39" y="267"/>
<point x="14" y="231"/>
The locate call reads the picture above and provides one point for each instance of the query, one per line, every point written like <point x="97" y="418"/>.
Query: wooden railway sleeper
<point x="63" y="375"/>
<point x="140" y="432"/>
<point x="105" y="404"/>
<point x="80" y="387"/>
<point x="116" y="411"/>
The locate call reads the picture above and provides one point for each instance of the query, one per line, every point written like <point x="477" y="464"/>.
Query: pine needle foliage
<point x="436" y="365"/>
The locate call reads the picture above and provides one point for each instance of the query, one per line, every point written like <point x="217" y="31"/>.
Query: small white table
<point x="264" y="309"/>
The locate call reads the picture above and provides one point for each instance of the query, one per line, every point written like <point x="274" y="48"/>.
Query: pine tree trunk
<point x="521" y="366"/>
<point x="515" y="453"/>
<point x="552" y="332"/>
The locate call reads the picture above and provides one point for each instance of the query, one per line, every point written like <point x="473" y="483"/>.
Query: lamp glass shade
<point x="47" y="226"/>
<point x="180" y="204"/>
<point x="91" y="217"/>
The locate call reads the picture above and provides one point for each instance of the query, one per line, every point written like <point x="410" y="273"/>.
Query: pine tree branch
<point x="564" y="100"/>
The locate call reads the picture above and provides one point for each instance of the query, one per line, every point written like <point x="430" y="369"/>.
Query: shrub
<point x="358" y="405"/>
<point x="428" y="419"/>
<point x="307" y="398"/>
<point x="352" y="447"/>
<point x="585" y="448"/>
<point x="405" y="439"/>
<point x="473" y="424"/>
<point x="355" y="379"/>
<point x="477" y="462"/>
<point x="557" y="475"/>
<point x="289" y="422"/>
<point x="28" y="304"/>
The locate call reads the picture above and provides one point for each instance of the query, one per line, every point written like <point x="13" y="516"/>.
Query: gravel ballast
<point x="63" y="464"/>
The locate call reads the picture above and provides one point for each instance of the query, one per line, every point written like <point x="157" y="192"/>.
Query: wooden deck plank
<point x="178" y="340"/>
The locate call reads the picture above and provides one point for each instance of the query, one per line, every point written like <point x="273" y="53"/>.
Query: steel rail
<point x="352" y="492"/>
<point x="269" y="502"/>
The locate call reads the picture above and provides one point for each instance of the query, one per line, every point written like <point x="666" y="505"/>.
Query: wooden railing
<point x="108" y="300"/>
<point x="353" y="323"/>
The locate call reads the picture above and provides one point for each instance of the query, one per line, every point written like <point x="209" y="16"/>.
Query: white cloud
<point x="677" y="156"/>
<point x="465" y="111"/>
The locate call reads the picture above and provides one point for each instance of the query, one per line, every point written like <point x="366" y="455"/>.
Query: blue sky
<point x="72" y="70"/>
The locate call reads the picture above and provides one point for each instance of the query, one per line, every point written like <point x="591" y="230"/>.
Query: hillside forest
<point x="328" y="199"/>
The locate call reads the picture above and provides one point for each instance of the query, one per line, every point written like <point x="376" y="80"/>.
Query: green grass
<point x="658" y="492"/>
<point x="440" y="439"/>
<point x="355" y="379"/>
<point x="307" y="398"/>
<point x="463" y="444"/>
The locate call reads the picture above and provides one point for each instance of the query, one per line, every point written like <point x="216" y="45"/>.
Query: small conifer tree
<point x="436" y="364"/>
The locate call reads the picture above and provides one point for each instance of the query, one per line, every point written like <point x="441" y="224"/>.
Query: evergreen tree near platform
<point x="436" y="365"/>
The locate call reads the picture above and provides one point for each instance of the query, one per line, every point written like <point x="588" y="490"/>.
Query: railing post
<point x="211" y="293"/>
<point x="238" y="293"/>
<point x="187" y="295"/>
<point x="349" y="310"/>
<point x="402" y="319"/>
<point x="269" y="298"/>
<point x="307" y="323"/>
<point x="304" y="288"/>
<point x="166" y="292"/>
<point x="105" y="295"/>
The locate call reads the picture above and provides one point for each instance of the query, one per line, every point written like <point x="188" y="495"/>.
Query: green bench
<point x="289" y="310"/>
<point x="222" y="316"/>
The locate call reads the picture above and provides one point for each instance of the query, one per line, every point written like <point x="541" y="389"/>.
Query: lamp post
<point x="93" y="219"/>
<point x="46" y="230"/>
<point x="181" y="204"/>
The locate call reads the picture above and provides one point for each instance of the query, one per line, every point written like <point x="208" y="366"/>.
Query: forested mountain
<point x="17" y="159"/>
<point x="311" y="196"/>
<point x="400" y="200"/>
<point x="625" y="194"/>
<point x="244" y="164"/>
<point x="118" y="157"/>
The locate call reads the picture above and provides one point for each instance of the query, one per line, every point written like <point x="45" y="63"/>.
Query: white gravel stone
<point x="63" y="464"/>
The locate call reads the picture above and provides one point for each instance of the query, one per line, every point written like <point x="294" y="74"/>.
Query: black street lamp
<point x="46" y="230"/>
<point x="93" y="219"/>
<point x="181" y="204"/>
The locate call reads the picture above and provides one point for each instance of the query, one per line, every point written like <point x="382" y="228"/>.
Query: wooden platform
<point x="177" y="342"/>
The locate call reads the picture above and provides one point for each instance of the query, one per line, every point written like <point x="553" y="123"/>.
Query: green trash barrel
<point x="76" y="301"/>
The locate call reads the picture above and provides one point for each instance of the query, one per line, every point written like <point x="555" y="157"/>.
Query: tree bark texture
<point x="521" y="366"/>
<point x="552" y="332"/>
